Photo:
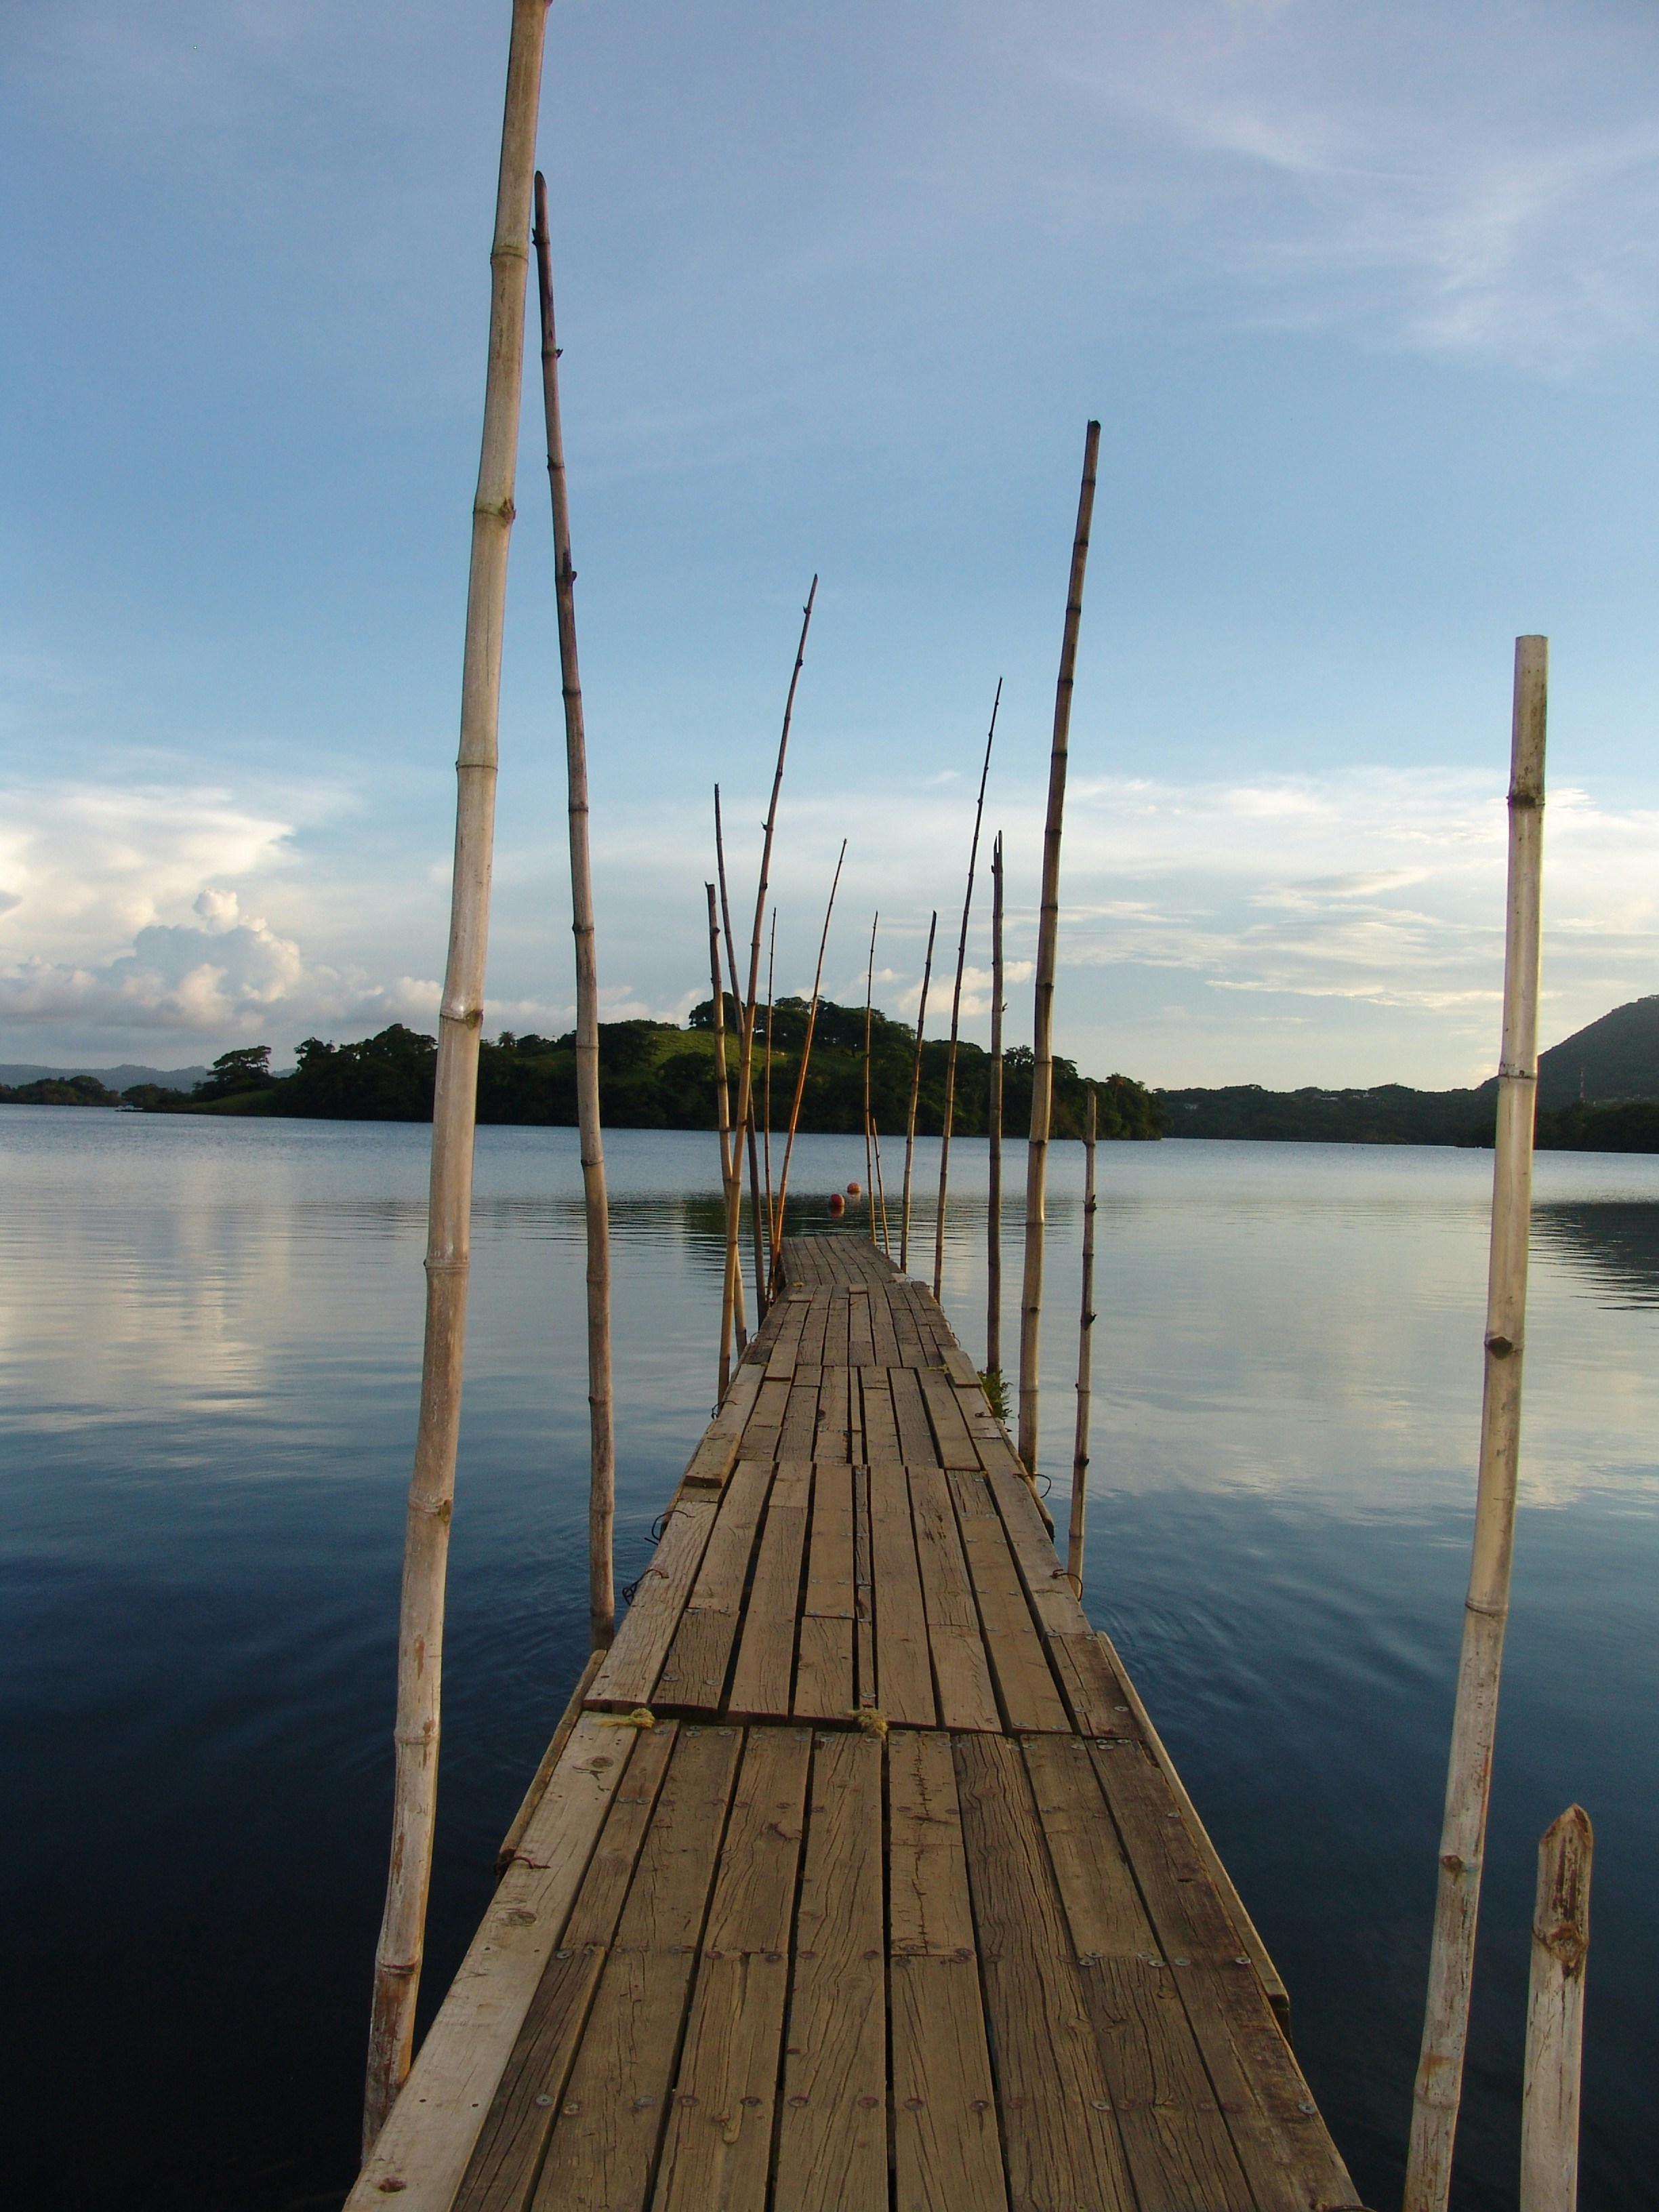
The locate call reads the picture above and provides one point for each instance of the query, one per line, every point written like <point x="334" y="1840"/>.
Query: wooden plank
<point x="1060" y="2137"/>
<point x="717" y="1454"/>
<point x="864" y="1596"/>
<point x="1025" y="1688"/>
<point x="1281" y="2143"/>
<point x="881" y="1437"/>
<point x="860" y="1343"/>
<point x="904" y="1672"/>
<point x="798" y="1437"/>
<point x="766" y="1655"/>
<point x="832" y="1441"/>
<point x="1267" y="1973"/>
<point x="962" y="1677"/>
<point x="915" y="1438"/>
<point x="760" y="1435"/>
<point x="947" y="2148"/>
<point x="607" y="2130"/>
<point x="834" y="1331"/>
<point x="1046" y="1584"/>
<point x="952" y="1440"/>
<point x="824" y="1670"/>
<point x="424" y="2148"/>
<point x="1179" y="2151"/>
<point x="832" y="2137"/>
<point x="717" y="2151"/>
<point x="551" y="1758"/>
<point x="883" y="1337"/>
<point x="633" y="1661"/>
<point x="829" y="1590"/>
<point x="785" y="1345"/>
<point x="508" y="2156"/>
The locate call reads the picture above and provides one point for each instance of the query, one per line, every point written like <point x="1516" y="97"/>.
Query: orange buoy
<point x="837" y="1203"/>
<point x="855" y="1190"/>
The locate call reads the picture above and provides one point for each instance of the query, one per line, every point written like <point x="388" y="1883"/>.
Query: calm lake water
<point x="211" y="1333"/>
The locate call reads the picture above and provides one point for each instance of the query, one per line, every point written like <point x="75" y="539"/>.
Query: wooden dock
<point x="856" y="1878"/>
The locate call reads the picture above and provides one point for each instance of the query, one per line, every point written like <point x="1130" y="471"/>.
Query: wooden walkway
<point x="895" y="1905"/>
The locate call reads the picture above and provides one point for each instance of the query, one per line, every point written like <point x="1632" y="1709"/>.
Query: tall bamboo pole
<point x="994" y="1133"/>
<point x="771" y="972"/>
<point x="800" y="1075"/>
<point x="955" y="1012"/>
<point x="602" y="1476"/>
<point x="1468" y="1778"/>
<point x="1043" y="1048"/>
<point x="746" y="1056"/>
<point x="746" y="1128"/>
<point x="915" y="1093"/>
<point x="869" y="1152"/>
<point x="732" y="1277"/>
<point x="881" y="1187"/>
<point x="432" y="1485"/>
<point x="1085" y="1338"/>
<point x="1555" y="2016"/>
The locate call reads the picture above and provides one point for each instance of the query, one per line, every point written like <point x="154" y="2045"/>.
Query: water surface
<point x="210" y="1339"/>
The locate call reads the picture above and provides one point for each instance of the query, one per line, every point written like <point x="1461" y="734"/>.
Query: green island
<point x="1598" y="1090"/>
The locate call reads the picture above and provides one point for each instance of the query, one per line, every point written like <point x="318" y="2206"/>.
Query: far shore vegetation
<point x="653" y="1075"/>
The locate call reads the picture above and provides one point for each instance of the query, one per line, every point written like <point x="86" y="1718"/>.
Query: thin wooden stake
<point x="1555" y="2016"/>
<point x="955" y="1012"/>
<point x="732" y="1279"/>
<point x="401" y="1941"/>
<point x="915" y="1093"/>
<point x="771" y="971"/>
<point x="1043" y="1047"/>
<point x="800" y="1077"/>
<point x="746" y="1059"/>
<point x="869" y="1142"/>
<point x="1086" y="1338"/>
<point x="881" y="1187"/>
<point x="747" y="1126"/>
<point x="1469" y="1779"/>
<point x="994" y="1133"/>
<point x="602" y="1476"/>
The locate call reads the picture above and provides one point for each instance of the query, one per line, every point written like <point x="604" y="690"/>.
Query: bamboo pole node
<point x="1468" y="1776"/>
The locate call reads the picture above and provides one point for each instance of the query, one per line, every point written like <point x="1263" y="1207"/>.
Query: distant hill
<point x="1617" y="1057"/>
<point x="112" y="1079"/>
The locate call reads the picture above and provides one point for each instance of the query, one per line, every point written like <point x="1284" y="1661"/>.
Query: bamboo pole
<point x="994" y="1133"/>
<point x="1468" y="1778"/>
<point x="915" y="1093"/>
<point x="747" y="1127"/>
<point x="1043" y="1047"/>
<point x="747" y="1055"/>
<point x="800" y="1075"/>
<point x="432" y="1485"/>
<point x="771" y="971"/>
<point x="869" y="1152"/>
<point x="1555" y="2016"/>
<point x="1085" y="1365"/>
<point x="602" y="1475"/>
<point x="955" y="1012"/>
<point x="732" y="1277"/>
<point x="881" y="1187"/>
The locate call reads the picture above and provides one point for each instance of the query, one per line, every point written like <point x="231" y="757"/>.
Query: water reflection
<point x="209" y="1338"/>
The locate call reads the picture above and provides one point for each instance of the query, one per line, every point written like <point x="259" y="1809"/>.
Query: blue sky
<point x="1365" y="298"/>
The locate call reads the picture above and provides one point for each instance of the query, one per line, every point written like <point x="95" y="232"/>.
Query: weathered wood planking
<point x="978" y="1954"/>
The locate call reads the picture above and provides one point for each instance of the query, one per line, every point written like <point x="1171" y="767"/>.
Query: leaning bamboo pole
<point x="732" y="1277"/>
<point x="766" y="1103"/>
<point x="1555" y="2016"/>
<point x="602" y="1474"/>
<point x="881" y="1187"/>
<point x="800" y="1074"/>
<point x="746" y="1051"/>
<point x="955" y="1012"/>
<point x="994" y="1136"/>
<point x="432" y="1485"/>
<point x="1468" y="1778"/>
<point x="746" y="1127"/>
<point x="1036" y="1149"/>
<point x="915" y="1093"/>
<point x="1086" y="1340"/>
<point x="869" y="1153"/>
